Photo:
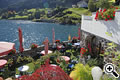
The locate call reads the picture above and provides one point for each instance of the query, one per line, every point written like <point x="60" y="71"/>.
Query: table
<point x="76" y="44"/>
<point x="66" y="58"/>
<point x="23" y="68"/>
<point x="2" y="62"/>
<point x="43" y="52"/>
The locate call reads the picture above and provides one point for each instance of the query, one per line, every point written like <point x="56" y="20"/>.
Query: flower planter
<point x="105" y="14"/>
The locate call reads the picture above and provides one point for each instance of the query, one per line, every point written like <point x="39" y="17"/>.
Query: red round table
<point x="2" y="63"/>
<point x="43" y="52"/>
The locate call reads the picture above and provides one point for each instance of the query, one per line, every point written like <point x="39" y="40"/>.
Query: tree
<point x="104" y="4"/>
<point x="91" y="5"/>
<point x="36" y="14"/>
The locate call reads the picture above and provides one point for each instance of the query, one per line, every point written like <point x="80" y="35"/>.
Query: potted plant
<point x="105" y="14"/>
<point x="34" y="46"/>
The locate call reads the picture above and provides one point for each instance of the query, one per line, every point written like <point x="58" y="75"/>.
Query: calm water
<point x="34" y="32"/>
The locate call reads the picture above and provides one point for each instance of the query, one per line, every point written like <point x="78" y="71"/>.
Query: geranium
<point x="33" y="46"/>
<point x="110" y="19"/>
<point x="105" y="19"/>
<point x="13" y="51"/>
<point x="106" y="14"/>
<point x="57" y="41"/>
<point x="104" y="10"/>
<point x="83" y="50"/>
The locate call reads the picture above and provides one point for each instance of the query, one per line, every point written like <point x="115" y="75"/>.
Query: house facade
<point x="82" y="3"/>
<point x="95" y="31"/>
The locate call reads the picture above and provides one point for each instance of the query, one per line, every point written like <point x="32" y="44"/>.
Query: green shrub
<point x="104" y="4"/>
<point x="91" y="5"/>
<point x="81" y="72"/>
<point x="92" y="62"/>
<point x="42" y="60"/>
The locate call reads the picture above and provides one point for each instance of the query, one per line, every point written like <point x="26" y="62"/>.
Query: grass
<point x="79" y="11"/>
<point x="31" y="68"/>
<point x="70" y="51"/>
<point x="33" y="10"/>
<point x="73" y="15"/>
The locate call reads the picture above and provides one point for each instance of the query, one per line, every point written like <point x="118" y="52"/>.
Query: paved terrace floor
<point x="100" y="27"/>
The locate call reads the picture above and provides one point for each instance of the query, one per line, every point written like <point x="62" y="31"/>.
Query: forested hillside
<point x="28" y="4"/>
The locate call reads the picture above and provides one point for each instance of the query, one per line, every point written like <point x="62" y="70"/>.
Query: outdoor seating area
<point x="59" y="57"/>
<point x="78" y="58"/>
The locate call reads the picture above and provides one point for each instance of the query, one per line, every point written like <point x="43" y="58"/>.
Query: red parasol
<point x="46" y="45"/>
<point x="6" y="48"/>
<point x="46" y="49"/>
<point x="53" y="35"/>
<point x="79" y="33"/>
<point x="20" y="40"/>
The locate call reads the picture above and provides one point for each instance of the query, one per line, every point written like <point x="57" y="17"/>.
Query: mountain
<point x="6" y="3"/>
<point x="28" y="4"/>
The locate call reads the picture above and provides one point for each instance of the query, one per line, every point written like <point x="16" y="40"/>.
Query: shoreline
<point x="44" y="21"/>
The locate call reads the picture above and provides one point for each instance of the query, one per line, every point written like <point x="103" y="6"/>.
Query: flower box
<point x="105" y="14"/>
<point x="34" y="46"/>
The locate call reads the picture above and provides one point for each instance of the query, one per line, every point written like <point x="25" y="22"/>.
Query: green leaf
<point x="109" y="44"/>
<point x="109" y="34"/>
<point x="107" y="53"/>
<point x="101" y="54"/>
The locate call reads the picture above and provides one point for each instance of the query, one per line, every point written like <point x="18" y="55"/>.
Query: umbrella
<point x="69" y="37"/>
<point x="53" y="36"/>
<point x="2" y="63"/>
<point x="79" y="33"/>
<point x="46" y="49"/>
<point x="20" y="40"/>
<point x="46" y="46"/>
<point x="6" y="48"/>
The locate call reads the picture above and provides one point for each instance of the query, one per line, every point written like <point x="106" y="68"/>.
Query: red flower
<point x="113" y="15"/>
<point x="104" y="10"/>
<point x="34" y="46"/>
<point x="108" y="16"/>
<point x="83" y="50"/>
<point x="101" y="10"/>
<point x="116" y="8"/>
<point x="113" y="12"/>
<point x="110" y="19"/>
<point x="105" y="19"/>
<point x="111" y="7"/>
<point x="103" y="16"/>
<point x="101" y="13"/>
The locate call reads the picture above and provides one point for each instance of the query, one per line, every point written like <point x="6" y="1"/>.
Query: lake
<point x="34" y="32"/>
